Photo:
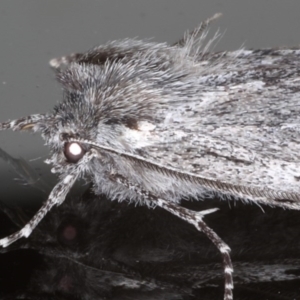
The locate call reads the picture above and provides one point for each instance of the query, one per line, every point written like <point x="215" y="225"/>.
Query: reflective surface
<point x="93" y="248"/>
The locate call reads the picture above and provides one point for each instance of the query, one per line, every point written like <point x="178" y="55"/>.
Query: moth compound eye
<point x="73" y="152"/>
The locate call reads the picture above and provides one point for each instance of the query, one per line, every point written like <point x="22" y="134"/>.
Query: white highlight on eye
<point x="75" y="149"/>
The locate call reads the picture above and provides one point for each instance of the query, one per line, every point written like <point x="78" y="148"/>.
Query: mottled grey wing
<point x="243" y="128"/>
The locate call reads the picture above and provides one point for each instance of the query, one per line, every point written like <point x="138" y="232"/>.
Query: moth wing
<point x="243" y="128"/>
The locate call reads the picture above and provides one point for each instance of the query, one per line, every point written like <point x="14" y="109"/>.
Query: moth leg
<point x="60" y="63"/>
<point x="193" y="217"/>
<point x="56" y="197"/>
<point x="30" y="177"/>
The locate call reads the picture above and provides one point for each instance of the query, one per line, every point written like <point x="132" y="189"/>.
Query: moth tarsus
<point x="175" y="122"/>
<point x="195" y="218"/>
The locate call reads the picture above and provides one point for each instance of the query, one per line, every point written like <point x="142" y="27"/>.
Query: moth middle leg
<point x="195" y="218"/>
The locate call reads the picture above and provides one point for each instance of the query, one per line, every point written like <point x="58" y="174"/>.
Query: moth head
<point x="106" y="104"/>
<point x="58" y="134"/>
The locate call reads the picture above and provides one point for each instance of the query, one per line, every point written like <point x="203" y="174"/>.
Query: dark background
<point x="33" y="31"/>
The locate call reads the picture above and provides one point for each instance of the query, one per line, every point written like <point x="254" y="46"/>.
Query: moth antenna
<point x="197" y="32"/>
<point x="56" y="197"/>
<point x="31" y="122"/>
<point x="261" y="195"/>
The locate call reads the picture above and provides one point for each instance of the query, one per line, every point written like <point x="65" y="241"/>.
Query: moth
<point x="153" y="123"/>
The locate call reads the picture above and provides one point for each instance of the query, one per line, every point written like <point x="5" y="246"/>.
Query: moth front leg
<point x="193" y="217"/>
<point x="56" y="197"/>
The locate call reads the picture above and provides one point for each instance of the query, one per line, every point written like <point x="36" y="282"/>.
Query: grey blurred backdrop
<point x="34" y="31"/>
